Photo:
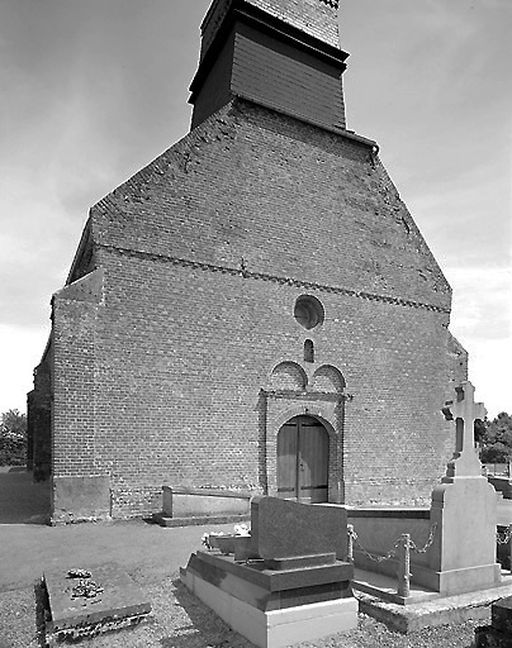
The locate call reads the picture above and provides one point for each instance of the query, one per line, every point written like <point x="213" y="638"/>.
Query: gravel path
<point x="179" y="620"/>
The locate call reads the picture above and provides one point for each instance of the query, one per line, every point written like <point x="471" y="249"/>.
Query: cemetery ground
<point x="152" y="556"/>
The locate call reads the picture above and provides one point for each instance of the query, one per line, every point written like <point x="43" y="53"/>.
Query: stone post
<point x="350" y="546"/>
<point x="404" y="566"/>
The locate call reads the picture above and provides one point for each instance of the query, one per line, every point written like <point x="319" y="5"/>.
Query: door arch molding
<point x="315" y="411"/>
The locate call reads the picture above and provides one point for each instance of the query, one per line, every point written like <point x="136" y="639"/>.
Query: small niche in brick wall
<point x="309" y="351"/>
<point x="309" y="312"/>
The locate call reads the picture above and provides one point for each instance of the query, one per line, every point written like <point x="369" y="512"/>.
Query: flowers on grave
<point x="224" y="541"/>
<point x="242" y="530"/>
<point x="85" y="587"/>
<point x="208" y="539"/>
<point x="79" y="573"/>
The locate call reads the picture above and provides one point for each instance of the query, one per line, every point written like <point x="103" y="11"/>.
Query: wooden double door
<point x="303" y="460"/>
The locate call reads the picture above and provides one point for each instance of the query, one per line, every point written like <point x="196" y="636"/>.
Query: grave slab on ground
<point x="87" y="602"/>
<point x="297" y="588"/>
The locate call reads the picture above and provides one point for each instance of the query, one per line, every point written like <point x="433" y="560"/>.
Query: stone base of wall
<point x="80" y="499"/>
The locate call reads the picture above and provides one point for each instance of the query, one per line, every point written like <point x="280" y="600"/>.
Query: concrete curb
<point x="441" y="611"/>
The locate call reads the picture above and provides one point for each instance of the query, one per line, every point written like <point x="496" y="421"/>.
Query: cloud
<point x="482" y="303"/>
<point x="482" y="322"/>
<point x="489" y="369"/>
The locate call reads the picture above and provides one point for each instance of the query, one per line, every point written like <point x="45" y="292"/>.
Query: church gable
<point x="254" y="189"/>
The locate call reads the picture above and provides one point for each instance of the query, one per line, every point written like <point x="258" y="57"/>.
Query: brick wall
<point x="290" y="199"/>
<point x="185" y="353"/>
<point x="163" y="372"/>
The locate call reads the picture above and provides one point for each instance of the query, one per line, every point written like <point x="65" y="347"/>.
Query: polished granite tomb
<point x="293" y="583"/>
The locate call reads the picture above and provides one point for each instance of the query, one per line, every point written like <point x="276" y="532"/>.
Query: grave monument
<point x="453" y="544"/>
<point x="81" y="603"/>
<point x="292" y="585"/>
<point x="463" y="555"/>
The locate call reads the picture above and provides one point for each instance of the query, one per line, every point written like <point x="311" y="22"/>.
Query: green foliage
<point x="13" y="439"/>
<point x="496" y="440"/>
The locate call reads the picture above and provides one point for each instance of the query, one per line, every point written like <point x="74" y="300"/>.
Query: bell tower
<point x="281" y="54"/>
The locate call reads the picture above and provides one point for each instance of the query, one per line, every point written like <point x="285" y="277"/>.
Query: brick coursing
<point x="164" y="365"/>
<point x="317" y="18"/>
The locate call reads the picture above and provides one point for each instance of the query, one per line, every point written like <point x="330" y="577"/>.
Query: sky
<point x="92" y="90"/>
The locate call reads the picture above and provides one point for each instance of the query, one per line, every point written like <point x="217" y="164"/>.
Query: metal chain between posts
<point x="354" y="540"/>
<point x="428" y="543"/>
<point x="401" y="550"/>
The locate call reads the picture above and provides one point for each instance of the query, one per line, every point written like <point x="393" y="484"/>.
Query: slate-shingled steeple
<point x="282" y="54"/>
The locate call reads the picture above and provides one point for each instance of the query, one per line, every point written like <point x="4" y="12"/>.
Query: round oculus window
<point x="309" y="312"/>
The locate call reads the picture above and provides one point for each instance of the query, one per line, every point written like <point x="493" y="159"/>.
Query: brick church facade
<point x="255" y="310"/>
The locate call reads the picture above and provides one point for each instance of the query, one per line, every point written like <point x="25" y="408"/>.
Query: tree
<point x="496" y="440"/>
<point x="13" y="438"/>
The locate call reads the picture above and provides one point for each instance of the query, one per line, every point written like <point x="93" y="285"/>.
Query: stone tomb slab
<point x="285" y="529"/>
<point x="282" y="587"/>
<point x="274" y="609"/>
<point x="294" y="584"/>
<point x="119" y="605"/>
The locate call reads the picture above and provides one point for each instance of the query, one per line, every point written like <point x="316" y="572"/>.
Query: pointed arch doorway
<point x="303" y="460"/>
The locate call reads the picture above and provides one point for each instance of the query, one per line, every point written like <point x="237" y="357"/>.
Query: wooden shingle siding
<point x="284" y="56"/>
<point x="291" y="81"/>
<point x="215" y="91"/>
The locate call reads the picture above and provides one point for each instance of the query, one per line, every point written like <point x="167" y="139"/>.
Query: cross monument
<point x="465" y="461"/>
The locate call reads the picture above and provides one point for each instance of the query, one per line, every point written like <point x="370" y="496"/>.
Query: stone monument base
<point x="463" y="555"/>
<point x="470" y="579"/>
<point x="275" y="607"/>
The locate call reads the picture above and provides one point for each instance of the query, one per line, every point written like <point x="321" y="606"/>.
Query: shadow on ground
<point x="41" y="612"/>
<point x="21" y="500"/>
<point x="205" y="627"/>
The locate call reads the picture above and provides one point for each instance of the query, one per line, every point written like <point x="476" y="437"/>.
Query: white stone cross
<point x="465" y="461"/>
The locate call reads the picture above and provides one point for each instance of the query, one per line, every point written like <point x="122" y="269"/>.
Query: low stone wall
<point x="378" y="529"/>
<point x="181" y="502"/>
